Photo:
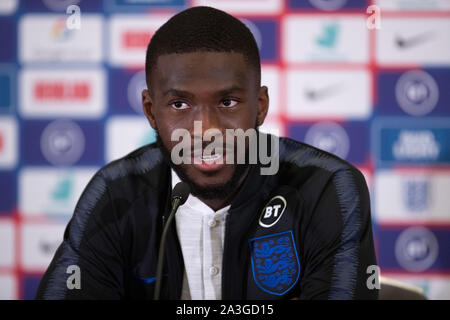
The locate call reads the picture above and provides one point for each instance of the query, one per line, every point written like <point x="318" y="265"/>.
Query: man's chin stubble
<point x="220" y="191"/>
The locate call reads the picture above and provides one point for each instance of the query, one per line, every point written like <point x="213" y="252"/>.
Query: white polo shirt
<point x="201" y="232"/>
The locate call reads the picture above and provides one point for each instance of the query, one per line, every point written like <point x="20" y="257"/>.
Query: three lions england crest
<point x="275" y="263"/>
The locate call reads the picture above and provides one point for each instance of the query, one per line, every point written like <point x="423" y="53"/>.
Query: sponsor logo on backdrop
<point x="325" y="94"/>
<point x="135" y="86"/>
<point x="319" y="39"/>
<point x="411" y="197"/>
<point x="404" y="41"/>
<point x="416" y="249"/>
<point x="407" y="141"/>
<point x="416" y="194"/>
<point x="39" y="244"/>
<point x="330" y="137"/>
<point x="62" y="142"/>
<point x="45" y="38"/>
<point x="129" y="36"/>
<point x="417" y="93"/>
<point x="416" y="145"/>
<point x="6" y="244"/>
<point x="328" y="35"/>
<point x="413" y="40"/>
<point x="60" y="33"/>
<point x="8" y="142"/>
<point x="68" y="93"/>
<point x="51" y="192"/>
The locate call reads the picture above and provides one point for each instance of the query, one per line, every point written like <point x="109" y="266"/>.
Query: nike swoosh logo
<point x="405" y="43"/>
<point x="322" y="93"/>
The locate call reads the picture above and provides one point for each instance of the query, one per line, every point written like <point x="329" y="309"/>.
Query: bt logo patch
<point x="272" y="212"/>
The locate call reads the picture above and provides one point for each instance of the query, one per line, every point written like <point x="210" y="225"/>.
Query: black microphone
<point x="179" y="196"/>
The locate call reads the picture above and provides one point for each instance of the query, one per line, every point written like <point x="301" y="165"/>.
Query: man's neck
<point x="217" y="204"/>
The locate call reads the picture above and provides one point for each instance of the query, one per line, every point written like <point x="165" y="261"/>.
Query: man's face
<point x="217" y="88"/>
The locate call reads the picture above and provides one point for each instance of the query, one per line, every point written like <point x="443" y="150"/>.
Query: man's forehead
<point x="217" y="68"/>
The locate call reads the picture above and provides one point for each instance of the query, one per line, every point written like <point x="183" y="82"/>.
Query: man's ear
<point x="147" y="105"/>
<point x="263" y="105"/>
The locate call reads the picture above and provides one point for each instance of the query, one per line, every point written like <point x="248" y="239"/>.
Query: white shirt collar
<point x="195" y="203"/>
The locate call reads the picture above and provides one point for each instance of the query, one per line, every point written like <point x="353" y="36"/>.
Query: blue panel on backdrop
<point x="406" y="141"/>
<point x="30" y="284"/>
<point x="9" y="39"/>
<point x="328" y="5"/>
<point x="8" y="189"/>
<point x="125" y="91"/>
<point x="59" y="6"/>
<point x="7" y="87"/>
<point x="265" y="32"/>
<point x="413" y="249"/>
<point x="132" y="5"/>
<point x="413" y="92"/>
<point x="62" y="142"/>
<point x="347" y="140"/>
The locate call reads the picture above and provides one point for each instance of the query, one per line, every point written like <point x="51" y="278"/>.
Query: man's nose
<point x="208" y="115"/>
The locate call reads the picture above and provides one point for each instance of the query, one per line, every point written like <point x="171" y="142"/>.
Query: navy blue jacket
<point x="304" y="232"/>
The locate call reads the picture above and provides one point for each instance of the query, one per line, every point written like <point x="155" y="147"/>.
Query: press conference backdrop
<point x="379" y="98"/>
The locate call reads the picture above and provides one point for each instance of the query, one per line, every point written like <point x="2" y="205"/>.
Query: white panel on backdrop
<point x="243" y="7"/>
<point x="270" y="77"/>
<point x="125" y="134"/>
<point x="39" y="244"/>
<point x="8" y="142"/>
<point x="62" y="93"/>
<point x="412" y="196"/>
<point x="8" y="6"/>
<point x="6" y="244"/>
<point x="129" y="36"/>
<point x="51" y="192"/>
<point x="407" y="5"/>
<point x="403" y="41"/>
<point x="46" y="38"/>
<point x="325" y="94"/>
<point x="8" y="289"/>
<point x="325" y="39"/>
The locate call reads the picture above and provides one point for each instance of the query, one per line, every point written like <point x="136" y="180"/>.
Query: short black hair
<point x="203" y="28"/>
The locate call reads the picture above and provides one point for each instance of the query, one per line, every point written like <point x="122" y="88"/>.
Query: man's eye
<point x="179" y="105"/>
<point x="228" y="103"/>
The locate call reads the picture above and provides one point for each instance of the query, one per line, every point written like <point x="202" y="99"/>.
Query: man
<point x="302" y="231"/>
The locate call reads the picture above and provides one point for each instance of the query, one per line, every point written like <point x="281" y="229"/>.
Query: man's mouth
<point x="208" y="163"/>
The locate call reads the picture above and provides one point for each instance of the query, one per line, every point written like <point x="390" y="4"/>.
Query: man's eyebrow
<point x="229" y="90"/>
<point x="187" y="94"/>
<point x="177" y="92"/>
